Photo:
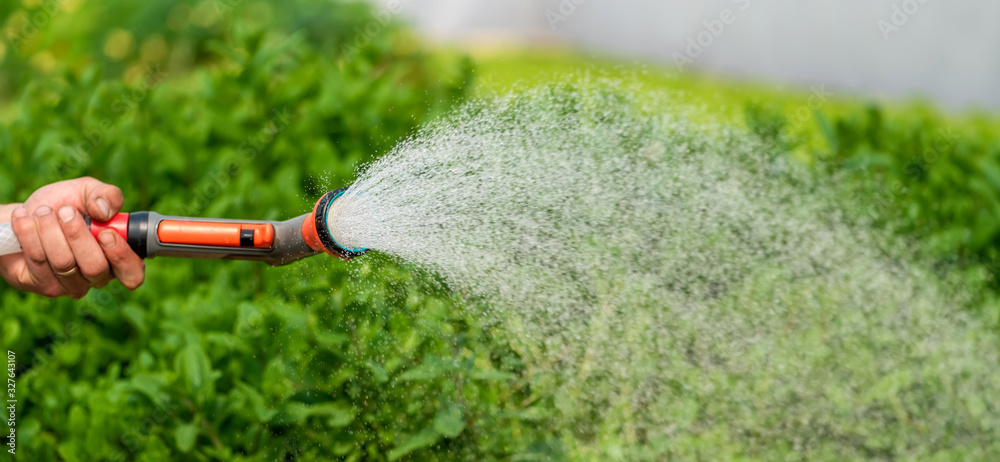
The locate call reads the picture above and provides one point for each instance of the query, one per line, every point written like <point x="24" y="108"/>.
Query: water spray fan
<point x="275" y="242"/>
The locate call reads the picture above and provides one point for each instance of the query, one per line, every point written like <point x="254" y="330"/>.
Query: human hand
<point x="60" y="257"/>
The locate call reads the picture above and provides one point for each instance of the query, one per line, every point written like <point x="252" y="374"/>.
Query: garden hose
<point x="278" y="243"/>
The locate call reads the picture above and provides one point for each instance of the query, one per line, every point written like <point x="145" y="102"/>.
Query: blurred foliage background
<point x="253" y="109"/>
<point x="238" y="109"/>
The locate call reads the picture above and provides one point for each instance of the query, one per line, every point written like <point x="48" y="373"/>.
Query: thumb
<point x="102" y="201"/>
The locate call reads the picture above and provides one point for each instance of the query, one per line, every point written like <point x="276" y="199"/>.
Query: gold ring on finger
<point x="69" y="273"/>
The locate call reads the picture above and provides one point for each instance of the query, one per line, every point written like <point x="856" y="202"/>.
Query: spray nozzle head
<point x="317" y="233"/>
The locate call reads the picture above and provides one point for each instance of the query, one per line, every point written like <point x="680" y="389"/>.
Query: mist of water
<point x="686" y="286"/>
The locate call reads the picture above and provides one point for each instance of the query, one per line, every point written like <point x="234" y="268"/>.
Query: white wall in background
<point x="948" y="51"/>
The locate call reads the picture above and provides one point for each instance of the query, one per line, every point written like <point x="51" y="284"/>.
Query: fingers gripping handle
<point x="10" y="245"/>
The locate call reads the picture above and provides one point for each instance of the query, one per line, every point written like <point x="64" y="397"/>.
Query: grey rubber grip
<point x="289" y="246"/>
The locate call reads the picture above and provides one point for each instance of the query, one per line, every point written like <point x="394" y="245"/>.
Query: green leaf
<point x="449" y="421"/>
<point x="827" y="130"/>
<point x="421" y="440"/>
<point x="136" y="316"/>
<point x="292" y="412"/>
<point x="151" y="386"/>
<point x="338" y="414"/>
<point x="381" y="376"/>
<point x="991" y="171"/>
<point x="222" y="49"/>
<point x="331" y="340"/>
<point x="422" y="373"/>
<point x="491" y="375"/>
<point x="263" y="412"/>
<point x="193" y="366"/>
<point x="11" y="330"/>
<point x="77" y="417"/>
<point x="68" y="452"/>
<point x="185" y="436"/>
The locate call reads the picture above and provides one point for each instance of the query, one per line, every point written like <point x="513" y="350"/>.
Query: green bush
<point x="941" y="180"/>
<point x="241" y="110"/>
<point x="932" y="178"/>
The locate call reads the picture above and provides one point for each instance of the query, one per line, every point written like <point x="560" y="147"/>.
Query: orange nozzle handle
<point x="208" y="233"/>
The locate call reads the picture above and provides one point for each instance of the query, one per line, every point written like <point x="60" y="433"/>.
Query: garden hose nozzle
<point x="275" y="242"/>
